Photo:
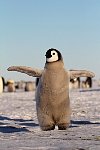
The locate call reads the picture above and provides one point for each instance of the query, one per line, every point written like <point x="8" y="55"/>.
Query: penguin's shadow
<point x="7" y="127"/>
<point x="77" y="123"/>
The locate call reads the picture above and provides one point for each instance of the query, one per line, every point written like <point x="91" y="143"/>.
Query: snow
<point x="19" y="129"/>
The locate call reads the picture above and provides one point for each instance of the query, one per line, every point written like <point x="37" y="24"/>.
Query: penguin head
<point x="53" y="55"/>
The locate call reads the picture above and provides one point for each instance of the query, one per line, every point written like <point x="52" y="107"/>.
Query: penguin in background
<point x="52" y="93"/>
<point x="2" y="84"/>
<point x="30" y="86"/>
<point x="36" y="82"/>
<point x="87" y="83"/>
<point x="3" y="80"/>
<point x="74" y="83"/>
<point x="11" y="86"/>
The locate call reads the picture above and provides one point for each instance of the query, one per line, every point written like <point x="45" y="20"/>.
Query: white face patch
<point x="54" y="57"/>
<point x="75" y="79"/>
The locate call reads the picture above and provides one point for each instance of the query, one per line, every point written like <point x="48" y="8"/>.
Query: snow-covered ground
<point x="19" y="129"/>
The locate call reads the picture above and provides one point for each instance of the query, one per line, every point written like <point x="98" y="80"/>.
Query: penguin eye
<point x="53" y="53"/>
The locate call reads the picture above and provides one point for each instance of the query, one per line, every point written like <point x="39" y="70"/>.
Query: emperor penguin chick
<point x="11" y="86"/>
<point x="52" y="97"/>
<point x="52" y="92"/>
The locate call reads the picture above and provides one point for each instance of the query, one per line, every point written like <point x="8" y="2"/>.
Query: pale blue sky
<point x="30" y="27"/>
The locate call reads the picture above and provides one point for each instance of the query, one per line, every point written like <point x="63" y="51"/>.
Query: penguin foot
<point x="63" y="126"/>
<point x="48" y="128"/>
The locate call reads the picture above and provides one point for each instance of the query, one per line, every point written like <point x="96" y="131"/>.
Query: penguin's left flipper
<point x="80" y="73"/>
<point x="27" y="70"/>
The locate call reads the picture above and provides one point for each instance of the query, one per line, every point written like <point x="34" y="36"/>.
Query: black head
<point x="53" y="55"/>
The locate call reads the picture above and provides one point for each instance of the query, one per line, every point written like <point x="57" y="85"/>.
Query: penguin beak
<point x="48" y="55"/>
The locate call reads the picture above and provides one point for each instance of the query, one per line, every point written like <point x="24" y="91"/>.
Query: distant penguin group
<point x="52" y="92"/>
<point x="78" y="83"/>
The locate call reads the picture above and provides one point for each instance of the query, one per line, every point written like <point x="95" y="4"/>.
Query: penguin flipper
<point x="80" y="73"/>
<point x="27" y="70"/>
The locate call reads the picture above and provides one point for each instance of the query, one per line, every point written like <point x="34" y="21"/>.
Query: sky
<point x="28" y="28"/>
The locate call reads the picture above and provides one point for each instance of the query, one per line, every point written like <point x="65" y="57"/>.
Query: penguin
<point x="36" y="82"/>
<point x="74" y="83"/>
<point x="4" y="84"/>
<point x="11" y="86"/>
<point x="52" y="93"/>
<point x="88" y="82"/>
<point x="1" y="85"/>
<point x="30" y="86"/>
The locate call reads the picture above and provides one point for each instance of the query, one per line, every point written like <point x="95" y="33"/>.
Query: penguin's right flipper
<point x="27" y="70"/>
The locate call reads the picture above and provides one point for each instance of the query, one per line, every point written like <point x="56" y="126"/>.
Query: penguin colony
<point x="52" y="93"/>
<point x="77" y="83"/>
